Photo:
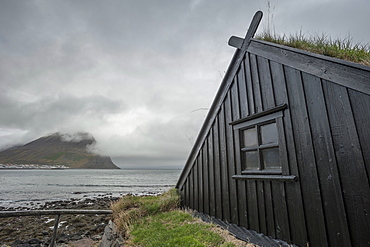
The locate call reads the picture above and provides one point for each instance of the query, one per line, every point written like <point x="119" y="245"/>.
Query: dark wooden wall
<point x="327" y="140"/>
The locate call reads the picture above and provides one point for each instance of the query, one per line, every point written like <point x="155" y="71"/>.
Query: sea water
<point x="24" y="187"/>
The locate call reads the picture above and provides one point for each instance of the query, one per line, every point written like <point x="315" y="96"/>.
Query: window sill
<point x="290" y="178"/>
<point x="262" y="172"/>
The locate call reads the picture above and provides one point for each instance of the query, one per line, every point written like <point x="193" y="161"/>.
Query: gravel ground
<point x="27" y="231"/>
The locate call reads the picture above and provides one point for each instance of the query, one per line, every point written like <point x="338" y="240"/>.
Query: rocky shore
<point x="78" y="230"/>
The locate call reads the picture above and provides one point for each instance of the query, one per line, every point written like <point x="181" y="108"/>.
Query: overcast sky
<point x="138" y="75"/>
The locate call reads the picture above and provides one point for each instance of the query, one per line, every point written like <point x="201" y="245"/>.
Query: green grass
<point x="322" y="44"/>
<point x="158" y="221"/>
<point x="54" y="156"/>
<point x="66" y="155"/>
<point x="75" y="156"/>
<point x="175" y="228"/>
<point x="129" y="209"/>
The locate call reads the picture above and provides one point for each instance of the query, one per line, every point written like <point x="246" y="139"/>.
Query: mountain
<point x="58" y="149"/>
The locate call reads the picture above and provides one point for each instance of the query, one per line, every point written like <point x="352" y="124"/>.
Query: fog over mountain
<point x="63" y="150"/>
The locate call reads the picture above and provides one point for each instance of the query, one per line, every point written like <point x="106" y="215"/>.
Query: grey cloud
<point x="337" y="19"/>
<point x="157" y="141"/>
<point x="77" y="137"/>
<point x="132" y="72"/>
<point x="56" y="113"/>
<point x="134" y="162"/>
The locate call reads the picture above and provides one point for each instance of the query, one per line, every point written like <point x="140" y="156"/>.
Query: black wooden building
<point x="285" y="148"/>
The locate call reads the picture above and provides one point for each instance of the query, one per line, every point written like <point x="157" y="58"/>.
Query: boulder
<point x="34" y="241"/>
<point x="16" y="243"/>
<point x="111" y="237"/>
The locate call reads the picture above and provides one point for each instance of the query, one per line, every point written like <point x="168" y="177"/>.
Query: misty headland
<point x="56" y="151"/>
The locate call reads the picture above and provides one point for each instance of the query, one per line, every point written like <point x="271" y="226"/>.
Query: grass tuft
<point x="322" y="44"/>
<point x="174" y="228"/>
<point x="129" y="209"/>
<point x="158" y="221"/>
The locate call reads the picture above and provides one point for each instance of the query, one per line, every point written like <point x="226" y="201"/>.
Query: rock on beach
<point x="36" y="231"/>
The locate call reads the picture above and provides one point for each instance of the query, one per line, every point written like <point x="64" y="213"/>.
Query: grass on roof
<point x="322" y="44"/>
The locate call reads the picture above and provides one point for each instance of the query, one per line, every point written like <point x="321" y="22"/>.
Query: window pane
<point x="250" y="137"/>
<point x="271" y="158"/>
<point x="269" y="133"/>
<point x="251" y="160"/>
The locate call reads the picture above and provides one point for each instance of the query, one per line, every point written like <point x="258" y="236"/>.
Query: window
<point x="260" y="148"/>
<point x="261" y="156"/>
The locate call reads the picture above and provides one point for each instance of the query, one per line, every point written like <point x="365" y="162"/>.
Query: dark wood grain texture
<point x="306" y="159"/>
<point x="225" y="190"/>
<point x="350" y="162"/>
<point x="231" y="167"/>
<point x="329" y="178"/>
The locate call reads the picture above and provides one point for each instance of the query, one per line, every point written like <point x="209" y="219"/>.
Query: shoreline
<point x="73" y="197"/>
<point x="34" y="168"/>
<point x="37" y="230"/>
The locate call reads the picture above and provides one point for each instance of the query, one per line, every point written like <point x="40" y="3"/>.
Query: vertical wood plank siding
<point x="211" y="178"/>
<point x="325" y="143"/>
<point x="200" y="183"/>
<point x="309" y="180"/>
<point x="350" y="161"/>
<point x="224" y="169"/>
<point x="233" y="196"/>
<point x="361" y="111"/>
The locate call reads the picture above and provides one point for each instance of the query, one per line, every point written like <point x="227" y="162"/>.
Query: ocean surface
<point x="35" y="187"/>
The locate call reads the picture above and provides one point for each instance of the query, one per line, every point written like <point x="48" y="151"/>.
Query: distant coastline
<point x="56" y="151"/>
<point x="32" y="167"/>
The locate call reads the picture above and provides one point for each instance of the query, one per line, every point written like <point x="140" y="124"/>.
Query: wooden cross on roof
<point x="241" y="43"/>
